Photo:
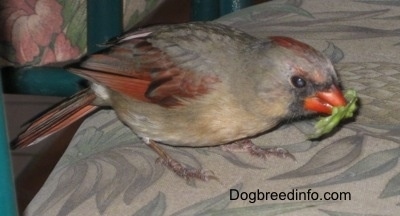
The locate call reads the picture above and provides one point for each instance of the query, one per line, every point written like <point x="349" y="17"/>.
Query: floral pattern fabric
<point x="107" y="170"/>
<point x="38" y="32"/>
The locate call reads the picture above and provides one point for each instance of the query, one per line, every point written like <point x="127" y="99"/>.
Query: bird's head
<point x="307" y="77"/>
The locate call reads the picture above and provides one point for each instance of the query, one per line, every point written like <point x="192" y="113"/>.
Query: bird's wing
<point x="137" y="68"/>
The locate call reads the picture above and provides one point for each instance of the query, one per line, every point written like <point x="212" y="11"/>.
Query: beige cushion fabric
<point x="108" y="171"/>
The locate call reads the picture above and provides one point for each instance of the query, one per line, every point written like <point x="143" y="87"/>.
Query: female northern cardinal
<point x="198" y="84"/>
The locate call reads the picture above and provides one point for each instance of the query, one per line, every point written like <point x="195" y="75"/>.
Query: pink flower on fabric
<point x="34" y="30"/>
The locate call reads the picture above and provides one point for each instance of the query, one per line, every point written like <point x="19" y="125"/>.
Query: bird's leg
<point x="247" y="145"/>
<point x="177" y="167"/>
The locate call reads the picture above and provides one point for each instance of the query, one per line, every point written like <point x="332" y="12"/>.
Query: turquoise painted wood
<point x="8" y="206"/>
<point x="229" y="6"/>
<point x="206" y="10"/>
<point x="103" y="23"/>
<point x="41" y="81"/>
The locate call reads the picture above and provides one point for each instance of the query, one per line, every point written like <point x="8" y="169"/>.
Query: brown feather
<point x="133" y="87"/>
<point x="57" y="118"/>
<point x="142" y="71"/>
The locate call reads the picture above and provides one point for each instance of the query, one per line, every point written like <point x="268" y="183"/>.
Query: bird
<point x="198" y="84"/>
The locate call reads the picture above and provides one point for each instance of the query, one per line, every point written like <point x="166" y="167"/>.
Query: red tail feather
<point x="59" y="117"/>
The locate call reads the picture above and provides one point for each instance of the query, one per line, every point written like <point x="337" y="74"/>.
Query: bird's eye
<point x="298" y="82"/>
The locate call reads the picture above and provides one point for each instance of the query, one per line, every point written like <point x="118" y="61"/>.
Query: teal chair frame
<point x="7" y="191"/>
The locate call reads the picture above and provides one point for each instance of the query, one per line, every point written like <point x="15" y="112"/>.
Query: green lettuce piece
<point x="327" y="124"/>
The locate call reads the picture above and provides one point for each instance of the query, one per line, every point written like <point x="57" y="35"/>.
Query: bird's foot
<point x="247" y="145"/>
<point x="186" y="173"/>
<point x="177" y="167"/>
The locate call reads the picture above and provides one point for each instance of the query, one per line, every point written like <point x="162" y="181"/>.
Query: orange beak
<point x="324" y="101"/>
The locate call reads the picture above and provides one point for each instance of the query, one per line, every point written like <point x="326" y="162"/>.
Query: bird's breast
<point x="214" y="119"/>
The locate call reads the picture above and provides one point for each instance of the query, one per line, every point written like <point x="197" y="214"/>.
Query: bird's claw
<point x="177" y="167"/>
<point x="187" y="173"/>
<point x="248" y="146"/>
<point x="275" y="151"/>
